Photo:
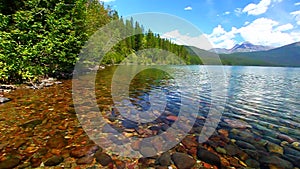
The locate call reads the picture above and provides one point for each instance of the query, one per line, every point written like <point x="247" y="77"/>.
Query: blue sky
<point x="226" y="22"/>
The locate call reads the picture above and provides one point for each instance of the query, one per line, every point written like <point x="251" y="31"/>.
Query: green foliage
<point x="44" y="37"/>
<point x="131" y="46"/>
<point x="40" y="38"/>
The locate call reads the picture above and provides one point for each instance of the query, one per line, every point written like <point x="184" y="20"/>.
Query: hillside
<point x="231" y="59"/>
<point x="288" y="55"/>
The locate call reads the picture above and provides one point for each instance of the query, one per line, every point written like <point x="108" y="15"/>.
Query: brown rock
<point x="183" y="161"/>
<point x="135" y="145"/>
<point x="120" y="164"/>
<point x="146" y="132"/>
<point x="84" y="151"/>
<point x="54" y="160"/>
<point x="224" y="162"/>
<point x="189" y="142"/>
<point x="9" y="163"/>
<point x="35" y="162"/>
<point x="286" y="138"/>
<point x="103" y="158"/>
<point x="55" y="151"/>
<point x="209" y="157"/>
<point x="85" y="160"/>
<point x="234" y="162"/>
<point x="172" y="118"/>
<point x="29" y="150"/>
<point x="19" y="143"/>
<point x="57" y="141"/>
<point x="193" y="151"/>
<point x="223" y="132"/>
<point x="165" y="159"/>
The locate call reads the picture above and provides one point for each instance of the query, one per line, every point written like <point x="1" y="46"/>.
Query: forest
<point x="41" y="38"/>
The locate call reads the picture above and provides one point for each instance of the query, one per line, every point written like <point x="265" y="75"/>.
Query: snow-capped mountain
<point x="243" y="47"/>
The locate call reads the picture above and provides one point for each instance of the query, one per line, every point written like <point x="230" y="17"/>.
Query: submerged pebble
<point x="183" y="161"/>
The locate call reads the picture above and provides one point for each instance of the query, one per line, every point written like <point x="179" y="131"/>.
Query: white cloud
<point x="198" y="41"/>
<point x="257" y="9"/>
<point x="188" y="8"/>
<point x="226" y="13"/>
<point x="296" y="15"/>
<point x="262" y="31"/>
<point x="297" y="3"/>
<point x="222" y="39"/>
<point x="285" y="27"/>
<point x="238" y="11"/>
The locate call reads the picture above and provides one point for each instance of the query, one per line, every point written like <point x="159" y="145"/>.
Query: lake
<point x="256" y="123"/>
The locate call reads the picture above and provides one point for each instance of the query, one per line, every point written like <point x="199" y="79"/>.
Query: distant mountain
<point x="220" y="50"/>
<point x="288" y="55"/>
<point x="243" y="47"/>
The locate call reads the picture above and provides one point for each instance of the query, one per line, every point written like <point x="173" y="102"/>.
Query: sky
<point x="225" y="22"/>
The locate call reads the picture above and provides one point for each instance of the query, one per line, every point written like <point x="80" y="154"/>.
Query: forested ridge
<point x="44" y="37"/>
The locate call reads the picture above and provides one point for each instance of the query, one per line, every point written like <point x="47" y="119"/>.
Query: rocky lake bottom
<point x="40" y="129"/>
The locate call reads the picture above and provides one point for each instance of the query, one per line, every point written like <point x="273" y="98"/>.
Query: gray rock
<point x="292" y="151"/>
<point x="58" y="82"/>
<point x="232" y="149"/>
<point x="256" y="154"/>
<point x="235" y="123"/>
<point x="276" y="161"/>
<point x="129" y="124"/>
<point x="252" y="163"/>
<point x="8" y="87"/>
<point x="4" y="100"/>
<point x="244" y="145"/>
<point x="183" y="161"/>
<point x="293" y="159"/>
<point x="148" y="151"/>
<point x="208" y="157"/>
<point x="48" y="84"/>
<point x="54" y="160"/>
<point x="273" y="140"/>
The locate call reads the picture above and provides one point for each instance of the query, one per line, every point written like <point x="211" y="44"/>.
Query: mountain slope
<point x="244" y="47"/>
<point x="210" y="58"/>
<point x="248" y="47"/>
<point x="288" y="55"/>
